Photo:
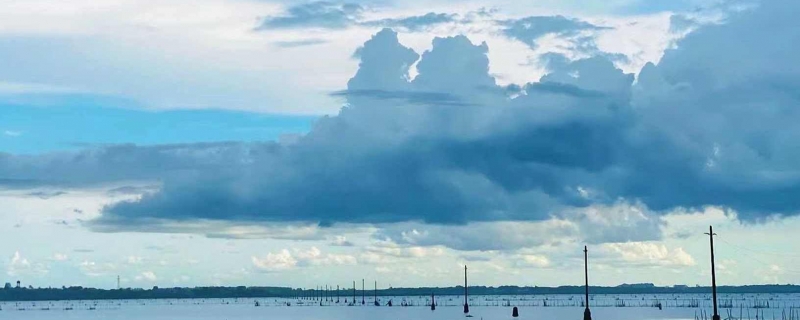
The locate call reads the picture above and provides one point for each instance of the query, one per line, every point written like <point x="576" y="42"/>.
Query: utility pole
<point x="363" y="293"/>
<point x="466" y="293"/>
<point x="587" y="314"/>
<point x="711" y="235"/>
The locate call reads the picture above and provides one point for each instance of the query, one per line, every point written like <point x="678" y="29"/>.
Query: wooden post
<point x="587" y="314"/>
<point x="466" y="293"/>
<point x="711" y="235"/>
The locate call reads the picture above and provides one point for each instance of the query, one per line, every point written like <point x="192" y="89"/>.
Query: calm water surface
<point x="605" y="307"/>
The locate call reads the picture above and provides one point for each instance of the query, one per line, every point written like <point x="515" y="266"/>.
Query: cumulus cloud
<point x="21" y="266"/>
<point x="60" y="257"/>
<point x="146" y="276"/>
<point x="286" y="260"/>
<point x="621" y="222"/>
<point x="275" y="261"/>
<point x="341" y="241"/>
<point x="94" y="269"/>
<point x="692" y="131"/>
<point x="134" y="260"/>
<point x="388" y="252"/>
<point x="531" y="261"/>
<point x="648" y="254"/>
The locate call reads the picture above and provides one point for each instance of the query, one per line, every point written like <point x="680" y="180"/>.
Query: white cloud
<point x="315" y="257"/>
<point x="618" y="222"/>
<point x="166" y="42"/>
<point x="60" y="257"/>
<point x="771" y="274"/>
<point x="146" y="276"/>
<point x="275" y="261"/>
<point x="531" y="260"/>
<point x="94" y="269"/>
<point x="19" y="265"/>
<point x="648" y="254"/>
<point x="415" y="252"/>
<point x="341" y="241"/>
<point x="286" y="260"/>
<point x="311" y="254"/>
<point x="133" y="260"/>
<point x="11" y="133"/>
<point x="374" y="258"/>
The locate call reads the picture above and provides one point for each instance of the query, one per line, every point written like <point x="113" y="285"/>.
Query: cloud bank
<point x="713" y="123"/>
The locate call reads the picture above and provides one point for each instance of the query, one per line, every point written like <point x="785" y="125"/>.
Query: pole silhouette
<point x="363" y="293"/>
<point x="466" y="293"/>
<point x="376" y="294"/>
<point x="587" y="314"/>
<point x="711" y="235"/>
<point x="433" y="302"/>
<point x="354" y="292"/>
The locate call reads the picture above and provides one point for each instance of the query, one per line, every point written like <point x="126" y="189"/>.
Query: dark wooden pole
<point x="587" y="314"/>
<point x="466" y="293"/>
<point x="711" y="235"/>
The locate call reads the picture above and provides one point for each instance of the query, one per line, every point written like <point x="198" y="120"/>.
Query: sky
<point x="307" y="143"/>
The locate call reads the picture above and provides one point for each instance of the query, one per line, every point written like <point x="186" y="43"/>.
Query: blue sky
<point x="385" y="139"/>
<point x="74" y="122"/>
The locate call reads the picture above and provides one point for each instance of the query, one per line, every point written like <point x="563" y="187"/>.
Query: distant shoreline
<point x="80" y="293"/>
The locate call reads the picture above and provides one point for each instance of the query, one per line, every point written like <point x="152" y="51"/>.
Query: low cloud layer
<point x="713" y="123"/>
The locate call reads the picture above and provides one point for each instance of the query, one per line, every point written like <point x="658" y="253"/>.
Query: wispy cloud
<point x="320" y="14"/>
<point x="12" y="133"/>
<point x="415" y="23"/>
<point x="299" y="43"/>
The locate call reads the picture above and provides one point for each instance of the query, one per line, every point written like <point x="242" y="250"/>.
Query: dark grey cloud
<point x="530" y="29"/>
<point x="319" y="14"/>
<point x="714" y="123"/>
<point x="104" y="164"/>
<point x="409" y="97"/>
<point x="132" y="190"/>
<point x="44" y="195"/>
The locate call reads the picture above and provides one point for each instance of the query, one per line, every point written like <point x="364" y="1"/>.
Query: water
<point x="604" y="307"/>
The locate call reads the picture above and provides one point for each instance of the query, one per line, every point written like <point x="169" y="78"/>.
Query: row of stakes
<point x="587" y="314"/>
